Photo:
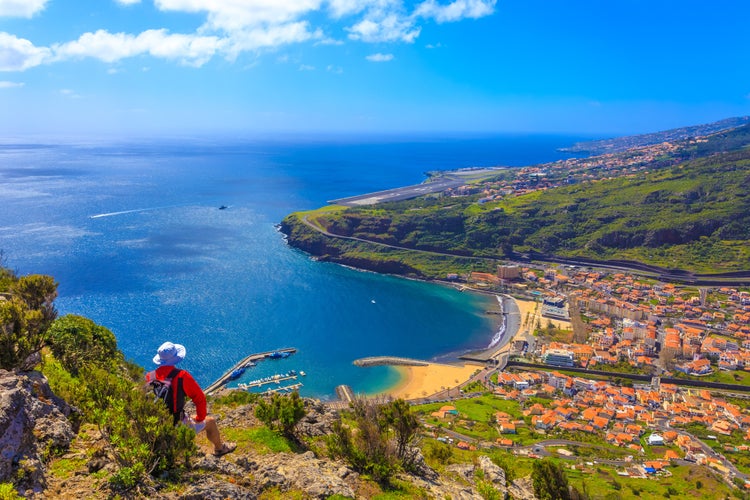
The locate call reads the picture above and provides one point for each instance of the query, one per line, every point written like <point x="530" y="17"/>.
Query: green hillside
<point x="693" y="216"/>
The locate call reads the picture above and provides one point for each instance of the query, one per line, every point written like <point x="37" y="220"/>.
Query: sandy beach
<point x="421" y="381"/>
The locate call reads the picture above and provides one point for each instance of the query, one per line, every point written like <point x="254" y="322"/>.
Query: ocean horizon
<point x="133" y="233"/>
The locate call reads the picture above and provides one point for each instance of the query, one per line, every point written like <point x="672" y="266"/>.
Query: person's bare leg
<point x="212" y="433"/>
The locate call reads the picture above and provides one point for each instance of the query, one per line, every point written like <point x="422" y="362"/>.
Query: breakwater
<point x="389" y="361"/>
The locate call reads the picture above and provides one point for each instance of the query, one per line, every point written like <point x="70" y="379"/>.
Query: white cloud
<point x="72" y="94"/>
<point x="337" y="70"/>
<point x="21" y="8"/>
<point x="306" y="67"/>
<point x="340" y="8"/>
<point x="19" y="54"/>
<point x="271" y="36"/>
<point x="232" y="27"/>
<point x="391" y="27"/>
<point x="193" y="50"/>
<point x="380" y="57"/>
<point x="4" y="84"/>
<point x="235" y="15"/>
<point x="456" y="10"/>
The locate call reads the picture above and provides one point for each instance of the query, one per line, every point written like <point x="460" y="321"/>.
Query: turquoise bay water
<point x="133" y="234"/>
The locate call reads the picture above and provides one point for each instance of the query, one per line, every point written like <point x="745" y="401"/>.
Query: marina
<point x="274" y="379"/>
<point x="246" y="362"/>
<point x="283" y="390"/>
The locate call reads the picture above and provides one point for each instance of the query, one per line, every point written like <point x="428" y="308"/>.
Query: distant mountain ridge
<point x="683" y="208"/>
<point x="619" y="144"/>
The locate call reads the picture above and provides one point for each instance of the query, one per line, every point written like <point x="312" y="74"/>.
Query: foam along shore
<point x="520" y="319"/>
<point x="421" y="381"/>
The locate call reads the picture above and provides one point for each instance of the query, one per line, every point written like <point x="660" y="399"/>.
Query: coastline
<point x="519" y="319"/>
<point x="422" y="381"/>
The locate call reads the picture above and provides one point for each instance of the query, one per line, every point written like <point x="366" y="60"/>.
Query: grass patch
<point x="64" y="468"/>
<point x="477" y="409"/>
<point x="277" y="494"/>
<point x="685" y="482"/>
<point x="8" y="492"/>
<point x="261" y="439"/>
<point x="400" y="489"/>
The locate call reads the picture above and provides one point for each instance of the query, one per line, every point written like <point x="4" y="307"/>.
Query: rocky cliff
<point x="34" y="424"/>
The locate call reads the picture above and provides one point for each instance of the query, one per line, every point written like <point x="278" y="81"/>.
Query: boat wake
<point x="111" y="214"/>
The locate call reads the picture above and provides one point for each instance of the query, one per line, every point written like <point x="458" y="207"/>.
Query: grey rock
<point x="493" y="474"/>
<point x="289" y="471"/>
<point x="33" y="421"/>
<point x="465" y="471"/>
<point x="212" y="489"/>
<point x="522" y="489"/>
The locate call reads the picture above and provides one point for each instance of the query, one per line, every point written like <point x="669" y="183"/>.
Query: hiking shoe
<point x="225" y="448"/>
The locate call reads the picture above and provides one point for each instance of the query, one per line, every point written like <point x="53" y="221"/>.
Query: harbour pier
<point x="345" y="393"/>
<point x="244" y="362"/>
<point x="275" y="379"/>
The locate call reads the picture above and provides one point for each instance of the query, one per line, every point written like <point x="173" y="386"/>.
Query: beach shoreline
<point x="423" y="381"/>
<point x="520" y="316"/>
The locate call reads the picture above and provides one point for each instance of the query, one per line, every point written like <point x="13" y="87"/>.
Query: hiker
<point x="183" y="384"/>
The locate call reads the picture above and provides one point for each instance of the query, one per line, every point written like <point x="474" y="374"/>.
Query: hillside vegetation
<point x="694" y="215"/>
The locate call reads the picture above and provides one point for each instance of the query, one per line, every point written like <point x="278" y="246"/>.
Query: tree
<point x="440" y="452"/>
<point x="549" y="481"/>
<point x="76" y="341"/>
<point x="25" y="316"/>
<point x="405" y="425"/>
<point x="370" y="449"/>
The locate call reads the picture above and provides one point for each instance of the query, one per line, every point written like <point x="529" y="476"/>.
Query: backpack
<point x="173" y="395"/>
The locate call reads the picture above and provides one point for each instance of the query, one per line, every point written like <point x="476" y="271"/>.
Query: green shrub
<point x="25" y="318"/>
<point x="139" y="429"/>
<point x="8" y="492"/>
<point x="281" y="412"/>
<point x="487" y="491"/>
<point x="440" y="452"/>
<point x="237" y="398"/>
<point x="77" y="341"/>
<point x="383" y="441"/>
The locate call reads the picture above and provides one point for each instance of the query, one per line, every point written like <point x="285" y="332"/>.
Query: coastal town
<point x="591" y="360"/>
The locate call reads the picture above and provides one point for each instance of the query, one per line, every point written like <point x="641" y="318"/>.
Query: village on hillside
<point x="586" y="322"/>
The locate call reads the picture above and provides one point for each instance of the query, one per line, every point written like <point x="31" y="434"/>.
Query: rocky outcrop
<point x="522" y="489"/>
<point x="494" y="474"/>
<point x="288" y="471"/>
<point x="463" y="486"/>
<point x="318" y="420"/>
<point x="33" y="424"/>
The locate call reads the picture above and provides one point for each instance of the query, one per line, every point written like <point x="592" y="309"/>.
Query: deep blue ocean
<point x="133" y="234"/>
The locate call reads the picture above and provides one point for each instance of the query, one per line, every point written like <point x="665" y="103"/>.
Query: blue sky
<point x="171" y="67"/>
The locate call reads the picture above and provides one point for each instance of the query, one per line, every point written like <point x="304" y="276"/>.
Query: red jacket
<point x="191" y="388"/>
